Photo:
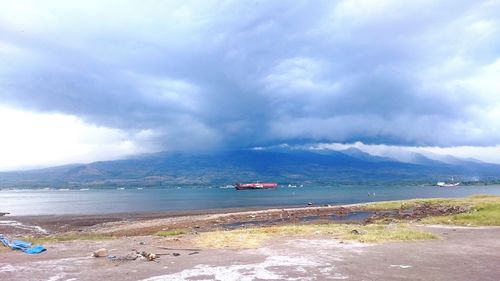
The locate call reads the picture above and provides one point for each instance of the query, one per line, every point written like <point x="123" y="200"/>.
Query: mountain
<point x="359" y="154"/>
<point x="284" y="166"/>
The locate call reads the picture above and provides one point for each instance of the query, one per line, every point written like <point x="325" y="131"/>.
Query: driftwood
<point x="179" y="249"/>
<point x="3" y="214"/>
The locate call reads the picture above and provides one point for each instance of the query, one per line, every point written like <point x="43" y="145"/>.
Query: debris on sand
<point x="103" y="252"/>
<point x="24" y="246"/>
<point x="421" y="211"/>
<point x="403" y="266"/>
<point x="149" y="256"/>
<point x="134" y="255"/>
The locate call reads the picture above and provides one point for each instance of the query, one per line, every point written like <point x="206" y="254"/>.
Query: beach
<point x="216" y="245"/>
<point x="462" y="254"/>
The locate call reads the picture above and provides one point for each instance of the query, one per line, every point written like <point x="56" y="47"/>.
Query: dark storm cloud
<point x="239" y="74"/>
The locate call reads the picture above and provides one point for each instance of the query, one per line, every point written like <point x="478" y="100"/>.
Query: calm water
<point x="100" y="201"/>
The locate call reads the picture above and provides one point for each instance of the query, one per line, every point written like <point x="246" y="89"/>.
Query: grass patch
<point x="484" y="209"/>
<point x="170" y="233"/>
<point x="254" y="237"/>
<point x="482" y="214"/>
<point x="408" y="204"/>
<point x="66" y="237"/>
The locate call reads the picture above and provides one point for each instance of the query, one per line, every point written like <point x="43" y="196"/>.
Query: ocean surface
<point x="106" y="201"/>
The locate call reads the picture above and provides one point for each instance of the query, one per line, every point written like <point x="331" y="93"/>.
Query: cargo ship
<point x="257" y="185"/>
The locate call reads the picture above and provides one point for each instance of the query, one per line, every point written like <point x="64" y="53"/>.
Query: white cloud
<point x="490" y="154"/>
<point x="31" y="140"/>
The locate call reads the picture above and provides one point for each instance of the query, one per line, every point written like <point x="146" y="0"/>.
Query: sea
<point x="88" y="201"/>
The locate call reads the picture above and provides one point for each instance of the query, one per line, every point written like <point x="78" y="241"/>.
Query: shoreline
<point x="183" y="247"/>
<point x="148" y="223"/>
<point x="204" y="219"/>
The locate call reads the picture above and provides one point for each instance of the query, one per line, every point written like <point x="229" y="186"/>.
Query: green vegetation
<point x="484" y="209"/>
<point x="408" y="204"/>
<point x="482" y="214"/>
<point x="174" y="232"/>
<point x="254" y="237"/>
<point x="71" y="236"/>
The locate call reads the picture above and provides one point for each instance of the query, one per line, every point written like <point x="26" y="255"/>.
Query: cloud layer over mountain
<point x="190" y="75"/>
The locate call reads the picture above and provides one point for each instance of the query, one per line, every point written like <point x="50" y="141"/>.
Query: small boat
<point x="256" y="185"/>
<point x="452" y="183"/>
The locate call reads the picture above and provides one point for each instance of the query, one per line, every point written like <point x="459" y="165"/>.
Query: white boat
<point x="452" y="183"/>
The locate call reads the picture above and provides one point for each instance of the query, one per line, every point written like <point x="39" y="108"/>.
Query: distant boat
<point x="121" y="188"/>
<point x="256" y="185"/>
<point x="451" y="183"/>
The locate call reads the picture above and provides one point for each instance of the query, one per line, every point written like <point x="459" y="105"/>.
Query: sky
<point x="82" y="81"/>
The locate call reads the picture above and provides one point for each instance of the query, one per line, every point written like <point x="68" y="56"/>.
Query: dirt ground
<point x="461" y="254"/>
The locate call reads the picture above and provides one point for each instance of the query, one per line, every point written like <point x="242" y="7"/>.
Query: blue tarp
<point x="21" y="245"/>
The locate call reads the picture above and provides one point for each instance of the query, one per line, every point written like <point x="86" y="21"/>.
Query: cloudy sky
<point x="92" y="80"/>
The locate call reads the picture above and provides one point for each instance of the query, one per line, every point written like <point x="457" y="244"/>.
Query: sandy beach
<point x="308" y="256"/>
<point x="461" y="254"/>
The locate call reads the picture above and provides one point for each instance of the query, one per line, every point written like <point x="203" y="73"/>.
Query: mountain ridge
<point x="284" y="165"/>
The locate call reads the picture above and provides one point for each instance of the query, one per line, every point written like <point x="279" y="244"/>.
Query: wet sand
<point x="149" y="223"/>
<point x="134" y="224"/>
